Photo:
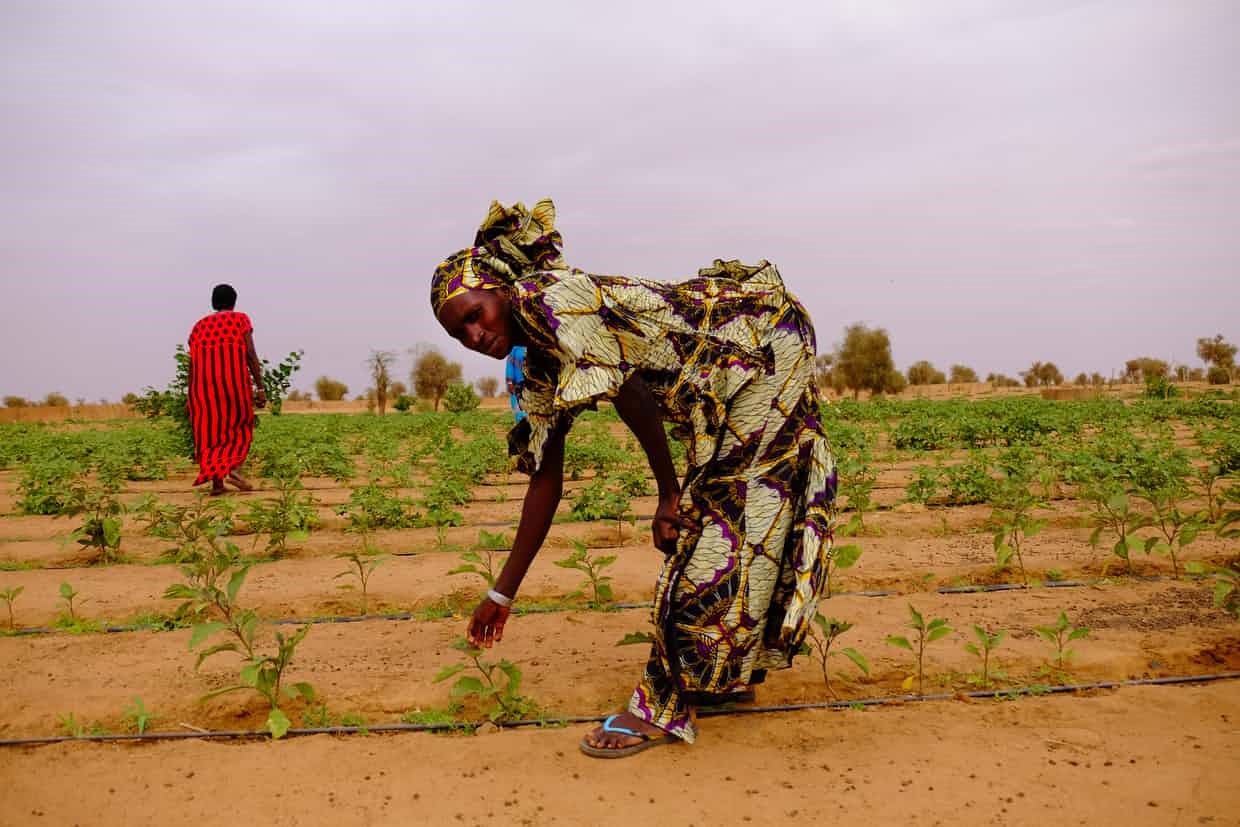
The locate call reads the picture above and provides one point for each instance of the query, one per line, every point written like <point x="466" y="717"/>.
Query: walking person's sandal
<point x="647" y="741"/>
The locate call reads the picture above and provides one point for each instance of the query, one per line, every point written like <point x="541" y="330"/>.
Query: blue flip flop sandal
<point x="647" y="741"/>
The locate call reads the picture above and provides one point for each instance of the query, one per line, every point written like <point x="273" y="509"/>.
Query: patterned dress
<point x="730" y="358"/>
<point x="221" y="402"/>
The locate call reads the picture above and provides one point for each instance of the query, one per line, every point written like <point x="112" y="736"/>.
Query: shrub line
<point x="262" y="734"/>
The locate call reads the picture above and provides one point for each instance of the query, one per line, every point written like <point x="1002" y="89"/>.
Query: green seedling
<point x="362" y="566"/>
<point x="429" y="717"/>
<point x="316" y="717"/>
<point x="68" y="594"/>
<point x="986" y="642"/>
<point x="635" y="639"/>
<point x="1227" y="591"/>
<point x="496" y="686"/>
<point x="483" y="564"/>
<point x="1112" y="511"/>
<point x="70" y="725"/>
<point x="1059" y="635"/>
<point x="592" y="567"/>
<point x="356" y="720"/>
<point x="927" y="633"/>
<point x="101" y="528"/>
<point x="857" y="477"/>
<point x="1176" y="528"/>
<point x="291" y="514"/>
<point x="606" y="498"/>
<point x="137" y="717"/>
<point x="1014" y="524"/>
<point x="213" y="582"/>
<point x="9" y="595"/>
<point x="822" y="635"/>
<point x="839" y="558"/>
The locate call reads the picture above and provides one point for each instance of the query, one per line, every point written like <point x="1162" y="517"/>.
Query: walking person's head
<point x="223" y="297"/>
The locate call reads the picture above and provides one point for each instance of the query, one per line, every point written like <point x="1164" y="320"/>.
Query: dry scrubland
<point x="927" y="485"/>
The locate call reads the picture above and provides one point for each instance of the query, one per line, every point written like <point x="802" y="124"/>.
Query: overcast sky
<point x="993" y="182"/>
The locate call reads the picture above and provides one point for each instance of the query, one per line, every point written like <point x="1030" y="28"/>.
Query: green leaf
<point x="846" y="557"/>
<point x="1034" y="527"/>
<point x="278" y="723"/>
<point x="466" y="686"/>
<point x="858" y="659"/>
<point x="1118" y="502"/>
<point x="934" y="634"/>
<point x="214" y="650"/>
<point x="202" y="631"/>
<point x="1194" y="567"/>
<point x="111" y="532"/>
<point x="634" y="638"/>
<point x="250" y="673"/>
<point x="447" y="672"/>
<point x="1078" y="633"/>
<point x="918" y="621"/>
<point x="972" y="650"/>
<point x="305" y="690"/>
<point x="1188" y="534"/>
<point x="902" y="642"/>
<point x="234" y="583"/>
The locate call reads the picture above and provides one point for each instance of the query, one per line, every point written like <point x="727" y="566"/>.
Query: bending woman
<point x="728" y="358"/>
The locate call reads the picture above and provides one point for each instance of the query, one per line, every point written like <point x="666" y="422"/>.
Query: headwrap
<point x="511" y="242"/>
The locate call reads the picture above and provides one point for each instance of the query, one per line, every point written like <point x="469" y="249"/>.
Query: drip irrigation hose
<point x="524" y="610"/>
<point x="235" y="734"/>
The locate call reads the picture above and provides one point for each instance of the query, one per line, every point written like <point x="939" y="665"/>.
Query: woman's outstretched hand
<point x="487" y="624"/>
<point x="667" y="524"/>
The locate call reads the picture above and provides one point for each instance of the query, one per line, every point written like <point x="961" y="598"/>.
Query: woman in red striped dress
<point x="221" y="407"/>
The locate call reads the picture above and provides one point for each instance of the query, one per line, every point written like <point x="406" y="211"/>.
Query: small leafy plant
<point x="1060" y="634"/>
<point x="495" y="686"/>
<point x="213" y="580"/>
<point x="822" y="635"/>
<point x="101" y="528"/>
<point x="985" y="643"/>
<point x="840" y="557"/>
<point x="606" y="498"/>
<point x="1014" y="523"/>
<point x="9" y="595"/>
<point x="483" y="564"/>
<point x="927" y="633"/>
<point x="289" y="515"/>
<point x="592" y="567"/>
<point x="362" y="565"/>
<point x="137" y="717"/>
<point x="1111" y="511"/>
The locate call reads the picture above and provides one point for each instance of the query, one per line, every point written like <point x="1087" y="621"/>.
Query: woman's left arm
<point x="256" y="370"/>
<point x="639" y="410"/>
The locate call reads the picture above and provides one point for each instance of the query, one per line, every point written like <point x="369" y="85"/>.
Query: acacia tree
<point x="1144" y="368"/>
<point x="380" y="363"/>
<point x="330" y="390"/>
<point x="1217" y="352"/>
<point x="488" y="386"/>
<point x="1042" y="373"/>
<point x="962" y="374"/>
<point x="432" y="373"/>
<point x="924" y="373"/>
<point x="863" y="362"/>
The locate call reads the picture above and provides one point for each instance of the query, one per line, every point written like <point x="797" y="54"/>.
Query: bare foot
<point x="240" y="482"/>
<point x="601" y="739"/>
<point x="217" y="487"/>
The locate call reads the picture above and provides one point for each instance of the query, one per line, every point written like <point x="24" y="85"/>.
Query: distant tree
<point x="1144" y="368"/>
<point x="488" y="386"/>
<point x="432" y="373"/>
<point x="16" y="402"/>
<point x="330" y="390"/>
<point x="1217" y="351"/>
<point x="863" y="362"/>
<point x="962" y="375"/>
<point x="460" y="397"/>
<point x="1042" y="374"/>
<point x="1218" y="375"/>
<point x="397" y="389"/>
<point x="1000" y="380"/>
<point x="1097" y="379"/>
<point x="823" y="373"/>
<point x="130" y="398"/>
<point x="297" y="396"/>
<point x="380" y="363"/>
<point x="1196" y="375"/>
<point x="924" y="373"/>
<point x="1081" y="379"/>
<point x="56" y="400"/>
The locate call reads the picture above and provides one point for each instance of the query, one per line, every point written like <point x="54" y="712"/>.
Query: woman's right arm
<point x="542" y="497"/>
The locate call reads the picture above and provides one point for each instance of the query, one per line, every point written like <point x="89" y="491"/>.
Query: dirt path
<point x="1101" y="759"/>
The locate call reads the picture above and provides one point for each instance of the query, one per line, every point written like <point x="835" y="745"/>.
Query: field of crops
<point x="997" y="549"/>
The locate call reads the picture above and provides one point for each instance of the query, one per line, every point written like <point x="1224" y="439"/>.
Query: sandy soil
<point x="1145" y="755"/>
<point x="1094" y="760"/>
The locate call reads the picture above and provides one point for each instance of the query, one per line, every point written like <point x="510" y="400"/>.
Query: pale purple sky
<point x="993" y="182"/>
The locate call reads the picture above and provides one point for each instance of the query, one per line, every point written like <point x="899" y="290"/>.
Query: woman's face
<point x="482" y="321"/>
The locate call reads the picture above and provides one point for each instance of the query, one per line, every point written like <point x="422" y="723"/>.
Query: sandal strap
<point x="607" y="727"/>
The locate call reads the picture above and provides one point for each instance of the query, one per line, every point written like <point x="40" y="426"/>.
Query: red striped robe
<point x="221" y="401"/>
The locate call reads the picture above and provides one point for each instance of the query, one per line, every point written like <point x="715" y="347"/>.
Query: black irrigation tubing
<point x="257" y="734"/>
<point x="523" y="610"/>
